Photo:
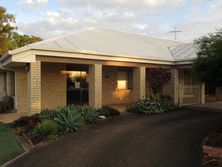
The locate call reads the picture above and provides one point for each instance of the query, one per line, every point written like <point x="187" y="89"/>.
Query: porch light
<point x="75" y="74"/>
<point x="121" y="84"/>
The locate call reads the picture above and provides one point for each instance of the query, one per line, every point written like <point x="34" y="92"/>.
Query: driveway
<point x="168" y="140"/>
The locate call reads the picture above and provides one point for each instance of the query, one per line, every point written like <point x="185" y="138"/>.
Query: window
<point x="124" y="80"/>
<point x="188" y="84"/>
<point x="12" y="84"/>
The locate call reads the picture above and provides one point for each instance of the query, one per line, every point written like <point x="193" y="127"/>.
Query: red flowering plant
<point x="158" y="77"/>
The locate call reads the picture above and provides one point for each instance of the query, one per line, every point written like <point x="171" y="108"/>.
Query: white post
<point x="202" y="93"/>
<point x="176" y="87"/>
<point x="139" y="83"/>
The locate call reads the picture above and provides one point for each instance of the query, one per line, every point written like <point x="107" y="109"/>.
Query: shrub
<point x="151" y="105"/>
<point x="52" y="137"/>
<point x="45" y="129"/>
<point x="27" y="121"/>
<point x="158" y="77"/>
<point x="89" y="114"/>
<point x="20" y="130"/>
<point x="48" y="114"/>
<point x="108" y="111"/>
<point x="69" y="118"/>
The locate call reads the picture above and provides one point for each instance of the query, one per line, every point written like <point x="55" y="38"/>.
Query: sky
<point x="52" y="18"/>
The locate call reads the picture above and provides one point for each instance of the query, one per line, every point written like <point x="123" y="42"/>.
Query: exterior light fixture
<point x="27" y="67"/>
<point x="121" y="84"/>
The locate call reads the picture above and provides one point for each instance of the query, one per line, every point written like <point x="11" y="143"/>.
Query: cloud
<point x="151" y="17"/>
<point x="31" y="2"/>
<point x="129" y="15"/>
<point x="153" y="6"/>
<point x="201" y="21"/>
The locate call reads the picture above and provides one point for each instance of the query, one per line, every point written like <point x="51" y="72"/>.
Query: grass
<point x="9" y="145"/>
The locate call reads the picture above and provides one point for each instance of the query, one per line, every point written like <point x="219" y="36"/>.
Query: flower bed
<point x="212" y="149"/>
<point x="50" y="124"/>
<point x="153" y="105"/>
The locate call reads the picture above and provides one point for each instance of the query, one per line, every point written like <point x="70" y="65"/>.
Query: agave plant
<point x="89" y="114"/>
<point x="69" y="119"/>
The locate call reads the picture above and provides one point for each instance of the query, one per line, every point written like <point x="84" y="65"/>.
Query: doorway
<point x="77" y="85"/>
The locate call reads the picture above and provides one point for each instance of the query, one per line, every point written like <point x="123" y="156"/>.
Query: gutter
<point x="29" y="47"/>
<point x="99" y="54"/>
<point x="5" y="57"/>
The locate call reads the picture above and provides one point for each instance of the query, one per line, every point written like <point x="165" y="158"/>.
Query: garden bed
<point x="212" y="149"/>
<point x="50" y="125"/>
<point x="153" y="105"/>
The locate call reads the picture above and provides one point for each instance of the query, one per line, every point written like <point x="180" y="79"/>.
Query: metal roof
<point x="107" y="41"/>
<point x="185" y="51"/>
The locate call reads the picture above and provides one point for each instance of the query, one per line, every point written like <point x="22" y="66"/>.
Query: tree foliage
<point x="158" y="77"/>
<point x="18" y="40"/>
<point x="9" y="39"/>
<point x="6" y="29"/>
<point x="207" y="66"/>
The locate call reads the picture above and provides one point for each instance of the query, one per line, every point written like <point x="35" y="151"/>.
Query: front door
<point x="77" y="88"/>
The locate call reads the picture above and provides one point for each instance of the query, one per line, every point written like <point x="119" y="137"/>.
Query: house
<point x="99" y="66"/>
<point x="7" y="83"/>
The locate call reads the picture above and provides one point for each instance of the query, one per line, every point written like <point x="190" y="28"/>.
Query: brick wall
<point x="109" y="88"/>
<point x="21" y="76"/>
<point x="34" y="87"/>
<point x="95" y="85"/>
<point x="53" y="93"/>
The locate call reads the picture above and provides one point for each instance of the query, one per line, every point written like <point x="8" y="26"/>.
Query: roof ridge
<point x="134" y="33"/>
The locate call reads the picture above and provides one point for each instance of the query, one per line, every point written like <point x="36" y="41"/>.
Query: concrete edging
<point x="12" y="160"/>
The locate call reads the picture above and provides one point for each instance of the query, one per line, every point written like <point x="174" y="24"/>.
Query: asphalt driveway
<point x="168" y="140"/>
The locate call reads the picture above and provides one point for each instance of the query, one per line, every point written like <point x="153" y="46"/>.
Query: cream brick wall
<point x="21" y="76"/>
<point x="53" y="92"/>
<point x="109" y="88"/>
<point x="95" y="85"/>
<point x="139" y="83"/>
<point x="34" y="87"/>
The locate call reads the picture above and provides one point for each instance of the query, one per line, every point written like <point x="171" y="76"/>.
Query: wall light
<point x="121" y="84"/>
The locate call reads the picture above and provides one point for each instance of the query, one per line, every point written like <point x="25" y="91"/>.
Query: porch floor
<point x="120" y="107"/>
<point x="10" y="117"/>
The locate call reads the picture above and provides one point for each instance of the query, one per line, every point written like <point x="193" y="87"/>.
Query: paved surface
<point x="215" y="106"/>
<point x="10" y="117"/>
<point x="168" y="140"/>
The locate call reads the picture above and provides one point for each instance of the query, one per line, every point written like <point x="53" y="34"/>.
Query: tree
<point x="9" y="39"/>
<point x="18" y="40"/>
<point x="207" y="67"/>
<point x="6" y="29"/>
<point x="158" y="77"/>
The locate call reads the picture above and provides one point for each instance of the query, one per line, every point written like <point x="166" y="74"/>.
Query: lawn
<point x="9" y="145"/>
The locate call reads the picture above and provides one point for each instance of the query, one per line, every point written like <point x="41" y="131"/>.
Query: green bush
<point x="46" y="128"/>
<point x="89" y="114"/>
<point x="48" y="114"/>
<point x="69" y="118"/>
<point x="151" y="105"/>
<point x="108" y="111"/>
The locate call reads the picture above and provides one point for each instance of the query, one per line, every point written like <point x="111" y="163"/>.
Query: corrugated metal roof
<point x="114" y="42"/>
<point x="184" y="51"/>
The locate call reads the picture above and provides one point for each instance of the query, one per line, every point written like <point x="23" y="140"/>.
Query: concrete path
<point x="168" y="140"/>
